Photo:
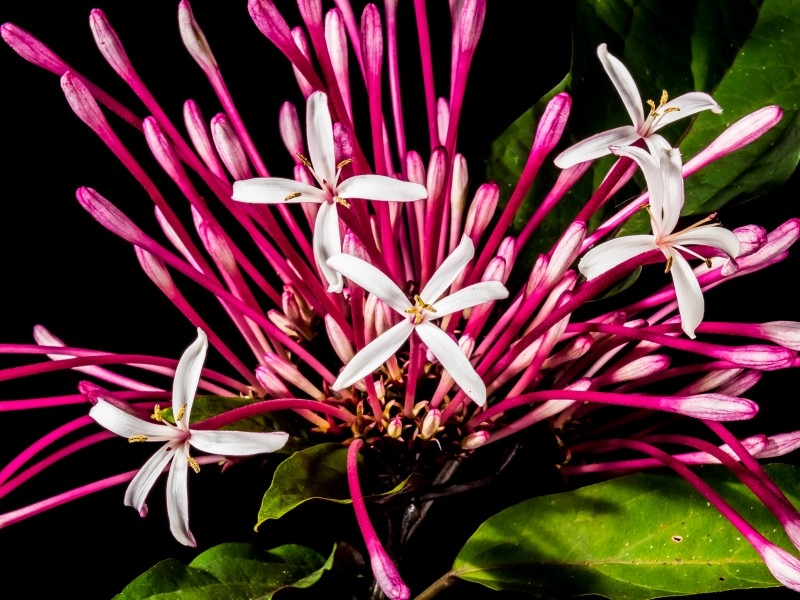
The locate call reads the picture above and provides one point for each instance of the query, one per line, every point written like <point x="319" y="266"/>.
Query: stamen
<point x="137" y="438"/>
<point x="193" y="464"/>
<point x="669" y="264"/>
<point x="292" y="196"/>
<point x="652" y="106"/>
<point x="670" y="109"/>
<point x="157" y="416"/>
<point x="344" y="163"/>
<point x="341" y="201"/>
<point x="304" y="160"/>
<point x="419" y="309"/>
<point x="664" y="98"/>
<point x="181" y="412"/>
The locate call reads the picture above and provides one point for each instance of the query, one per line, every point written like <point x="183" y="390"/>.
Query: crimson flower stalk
<point x="393" y="245"/>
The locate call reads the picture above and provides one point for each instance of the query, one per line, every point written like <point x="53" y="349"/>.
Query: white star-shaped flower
<point x="417" y="317"/>
<point x="667" y="111"/>
<point x="277" y="190"/>
<point x="665" y="184"/>
<point x="178" y="438"/>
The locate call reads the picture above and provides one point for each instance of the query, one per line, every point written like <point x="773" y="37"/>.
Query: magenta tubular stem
<point x="426" y="62"/>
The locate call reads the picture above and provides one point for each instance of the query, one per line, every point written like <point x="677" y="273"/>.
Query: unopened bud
<point x="395" y="428"/>
<point x="481" y="210"/>
<point x="230" y="147"/>
<point x="475" y="440"/>
<point x="339" y="341"/>
<point x="194" y="39"/>
<point x="299" y="37"/>
<point x="430" y="424"/>
<point x="714" y="407"/>
<point x="291" y="131"/>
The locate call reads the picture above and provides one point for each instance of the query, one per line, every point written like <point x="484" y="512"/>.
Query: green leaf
<point x="765" y="71"/>
<point x="230" y="572"/>
<point x="634" y="538"/>
<point x="205" y="407"/>
<point x="319" y="472"/>
<point x="316" y="473"/>
<point x="743" y="52"/>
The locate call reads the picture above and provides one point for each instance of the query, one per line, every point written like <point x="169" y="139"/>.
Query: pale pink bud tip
<point x="553" y="122"/>
<point x="387" y="576"/>
<point x="193" y="37"/>
<point x="475" y="440"/>
<point x="31" y="49"/>
<point x="783" y="566"/>
<point x="716" y="407"/>
<point x="785" y="333"/>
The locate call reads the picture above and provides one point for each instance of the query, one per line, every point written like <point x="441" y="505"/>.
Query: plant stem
<point x="444" y="582"/>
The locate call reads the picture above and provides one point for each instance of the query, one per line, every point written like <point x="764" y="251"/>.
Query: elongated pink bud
<point x="565" y="252"/>
<point x="780" y="444"/>
<point x="415" y="169"/>
<point x="230" y="147"/>
<point x="194" y="39"/>
<point x="641" y="367"/>
<point x="711" y="381"/>
<point x="751" y="238"/>
<point x="757" y="356"/>
<point x="442" y="119"/>
<point x="271" y="23"/>
<point x="83" y="104"/>
<point x="714" y="407"/>
<point x="198" y="133"/>
<point x="741" y="383"/>
<point x="271" y="383"/>
<point x="745" y="131"/>
<point x="110" y="46"/>
<point x="481" y="211"/>
<point x="218" y="248"/>
<point x="290" y="373"/>
<point x="311" y="12"/>
<point x="552" y="123"/>
<point x="430" y="424"/>
<point x="156" y="271"/>
<point x="384" y="570"/>
<point x="372" y="44"/>
<point x="31" y="49"/>
<point x="458" y="198"/>
<point x="473" y="14"/>
<point x="299" y="37"/>
<point x="785" y="333"/>
<point x="339" y="341"/>
<point x="336" y="40"/>
<point x="291" y="131"/>
<point x="109" y="216"/>
<point x="783" y="566"/>
<point x="162" y="149"/>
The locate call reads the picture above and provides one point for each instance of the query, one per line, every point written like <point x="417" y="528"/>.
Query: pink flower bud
<point x="481" y="210"/>
<point x="442" y="119"/>
<point x="339" y="341"/>
<point x="785" y="333"/>
<point x="470" y="24"/>
<point x="371" y="45"/>
<point x="291" y="131"/>
<point x="552" y="123"/>
<point x="299" y="37"/>
<point x="194" y="39"/>
<point x="395" y="428"/>
<point x="713" y="407"/>
<point x="757" y="356"/>
<point x="783" y="566"/>
<point x="198" y="133"/>
<point x="780" y="444"/>
<point x="31" y="49"/>
<point x="230" y="148"/>
<point x="271" y="383"/>
<point x="336" y="40"/>
<point x="110" y="46"/>
<point x="83" y="104"/>
<point x="566" y="251"/>
<point x="415" y="169"/>
<point x="641" y="367"/>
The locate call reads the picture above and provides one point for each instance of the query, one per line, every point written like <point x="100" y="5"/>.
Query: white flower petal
<point x="624" y="83"/>
<point x="126" y="425"/>
<point x="178" y="498"/>
<point x="371" y="279"/>
<point x="473" y="295"/>
<point x="596" y="146"/>
<point x="672" y="176"/>
<point x="319" y="129"/>
<point x="327" y="242"/>
<point x="608" y="255"/>
<point x="656" y="143"/>
<point x="378" y="187"/>
<point x="374" y="354"/>
<point x="448" y="270"/>
<point x="187" y="376"/>
<point x="689" y="295"/>
<point x="274" y="190"/>
<point x="709" y="235"/>
<point x="688" y="104"/>
<point x="140" y="485"/>
<point x="453" y="360"/>
<point x="651" y="169"/>
<point x="238" y="443"/>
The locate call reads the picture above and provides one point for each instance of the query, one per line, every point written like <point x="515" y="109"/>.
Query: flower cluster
<point x="375" y="293"/>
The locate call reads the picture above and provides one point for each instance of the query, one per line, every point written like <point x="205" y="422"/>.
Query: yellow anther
<point x="344" y="163"/>
<point x="664" y="98"/>
<point x="708" y="262"/>
<point x="341" y="201"/>
<point x="419" y="309"/>
<point x="292" y="196"/>
<point x="652" y="106"/>
<point x="193" y="464"/>
<point x="670" y="109"/>
<point x="669" y="264"/>
<point x="137" y="438"/>
<point x="181" y="412"/>
<point x="157" y="416"/>
<point x="304" y="160"/>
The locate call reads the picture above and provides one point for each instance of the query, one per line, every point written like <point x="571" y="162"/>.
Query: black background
<point x="61" y="269"/>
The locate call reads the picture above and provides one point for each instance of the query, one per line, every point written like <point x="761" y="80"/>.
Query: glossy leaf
<point x="634" y="538"/>
<point x="230" y="572"/>
<point x="318" y="472"/>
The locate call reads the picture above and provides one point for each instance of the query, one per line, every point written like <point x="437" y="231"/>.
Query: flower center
<point x="419" y="309"/>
